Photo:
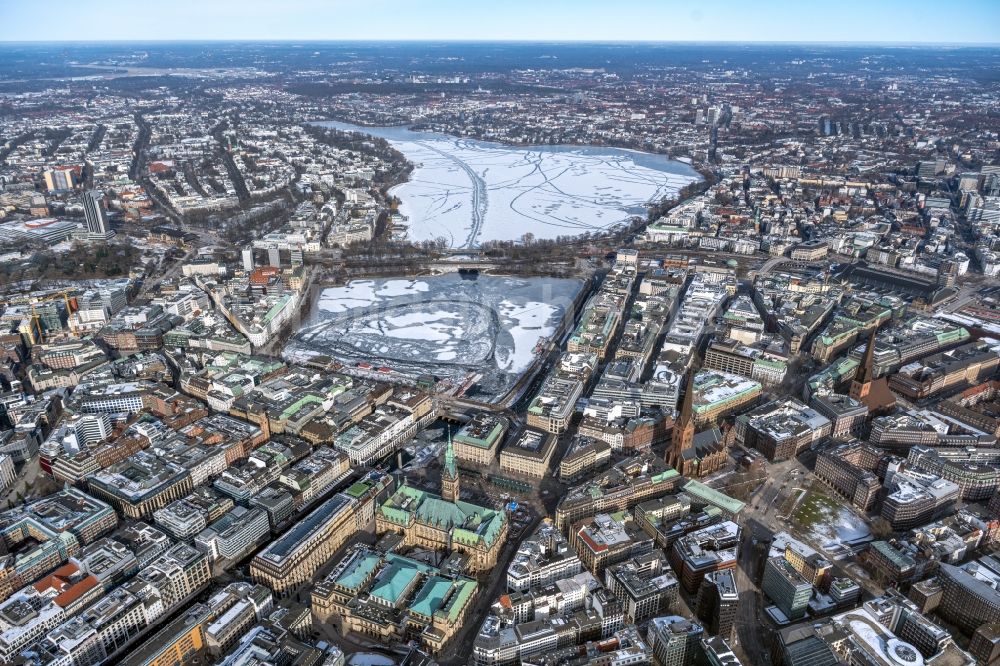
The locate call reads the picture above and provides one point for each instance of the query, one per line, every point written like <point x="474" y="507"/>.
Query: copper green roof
<point x="359" y="569"/>
<point x="431" y="596"/>
<point x="464" y="437"/>
<point x="275" y="309"/>
<point x="469" y="523"/>
<point x="464" y="589"/>
<point x="699" y="490"/>
<point x="670" y="228"/>
<point x="393" y="582"/>
<point x="665" y="475"/>
<point x="450" y="468"/>
<point x="768" y="363"/>
<point x="945" y="337"/>
<point x="299" y="404"/>
<point x="898" y="558"/>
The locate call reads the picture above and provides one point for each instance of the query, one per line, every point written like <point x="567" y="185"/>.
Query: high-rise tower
<point x="97" y="219"/>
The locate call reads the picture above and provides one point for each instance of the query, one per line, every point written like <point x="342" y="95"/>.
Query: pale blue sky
<point x="941" y="21"/>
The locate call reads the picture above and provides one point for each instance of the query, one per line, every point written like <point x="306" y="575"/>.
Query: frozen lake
<point x="443" y="325"/>
<point x="468" y="192"/>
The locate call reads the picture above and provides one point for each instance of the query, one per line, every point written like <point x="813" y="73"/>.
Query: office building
<point x="781" y="429"/>
<point x="47" y="533"/>
<point x="847" y="416"/>
<point x="181" y="519"/>
<point x="985" y="644"/>
<point x="234" y="535"/>
<point x="179" y="642"/>
<point x="583" y="455"/>
<point x="850" y="470"/>
<point x="662" y="518"/>
<point x="718" y="653"/>
<point x="98" y="227"/>
<point x="293" y="558"/>
<point x="885" y="631"/>
<point x="703" y="551"/>
<point x="628" y="483"/>
<point x="607" y="539"/>
<point x="916" y="498"/>
<point x="975" y="470"/>
<point x="529" y="455"/>
<point x="674" y="640"/>
<point x="889" y="563"/>
<point x="25" y="617"/>
<point x="141" y="484"/>
<point x="736" y="358"/>
<point x="477" y="441"/>
<point x="963" y="366"/>
<point x="970" y="593"/>
<point x="717" y="393"/>
<point x="60" y="178"/>
<point x="786" y="587"/>
<point x="644" y="584"/>
<point x="377" y="435"/>
<point x="812" y="566"/>
<point x="541" y="559"/>
<point x="552" y="407"/>
<point x="717" y="601"/>
<point x="235" y="609"/>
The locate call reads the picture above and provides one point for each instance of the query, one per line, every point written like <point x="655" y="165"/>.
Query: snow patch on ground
<point x="829" y="524"/>
<point x="370" y="659"/>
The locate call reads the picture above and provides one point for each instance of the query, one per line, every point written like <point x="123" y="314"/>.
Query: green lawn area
<point x="815" y="508"/>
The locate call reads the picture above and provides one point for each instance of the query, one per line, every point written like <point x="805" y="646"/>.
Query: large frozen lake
<point x="490" y="328"/>
<point x="469" y="192"/>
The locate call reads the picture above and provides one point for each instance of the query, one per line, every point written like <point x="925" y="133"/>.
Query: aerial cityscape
<point x="458" y="345"/>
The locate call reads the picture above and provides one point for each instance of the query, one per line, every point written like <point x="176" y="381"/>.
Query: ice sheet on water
<point x="533" y="322"/>
<point x="445" y="326"/>
<point x="401" y="287"/>
<point x="468" y="192"/>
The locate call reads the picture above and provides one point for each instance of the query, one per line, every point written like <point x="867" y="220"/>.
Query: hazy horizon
<point x="649" y="42"/>
<point x="779" y="21"/>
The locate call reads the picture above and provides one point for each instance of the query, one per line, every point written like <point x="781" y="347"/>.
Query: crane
<point x="35" y="317"/>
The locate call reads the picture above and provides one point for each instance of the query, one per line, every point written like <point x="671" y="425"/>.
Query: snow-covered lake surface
<point x="468" y="192"/>
<point x="441" y="325"/>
